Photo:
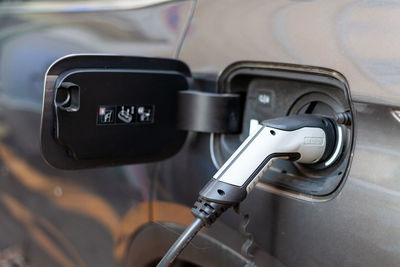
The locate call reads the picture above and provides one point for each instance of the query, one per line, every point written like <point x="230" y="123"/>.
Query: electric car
<point x="70" y="196"/>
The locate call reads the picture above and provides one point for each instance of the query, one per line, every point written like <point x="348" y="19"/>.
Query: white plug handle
<point x="256" y="153"/>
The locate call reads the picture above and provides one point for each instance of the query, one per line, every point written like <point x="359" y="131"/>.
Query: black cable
<point x="181" y="243"/>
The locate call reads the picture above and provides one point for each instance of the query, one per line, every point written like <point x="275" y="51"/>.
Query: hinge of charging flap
<point x="210" y="112"/>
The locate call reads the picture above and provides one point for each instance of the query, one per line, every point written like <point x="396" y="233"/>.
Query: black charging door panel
<point x="111" y="110"/>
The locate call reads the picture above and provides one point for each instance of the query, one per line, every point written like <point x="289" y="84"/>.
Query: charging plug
<point x="306" y="139"/>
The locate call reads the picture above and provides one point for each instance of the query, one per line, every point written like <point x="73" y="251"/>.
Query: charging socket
<point x="274" y="90"/>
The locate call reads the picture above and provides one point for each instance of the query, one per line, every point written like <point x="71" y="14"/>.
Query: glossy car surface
<point x="129" y="215"/>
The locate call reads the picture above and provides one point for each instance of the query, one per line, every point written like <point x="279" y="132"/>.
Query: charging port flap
<point x="111" y="110"/>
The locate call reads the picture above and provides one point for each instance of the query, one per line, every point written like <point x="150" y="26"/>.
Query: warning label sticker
<point x="125" y="114"/>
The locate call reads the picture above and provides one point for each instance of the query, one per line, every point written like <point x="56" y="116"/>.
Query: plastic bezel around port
<point x="310" y="183"/>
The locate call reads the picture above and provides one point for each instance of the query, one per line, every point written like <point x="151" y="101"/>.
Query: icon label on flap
<point x="125" y="114"/>
<point x="145" y="114"/>
<point x="106" y="115"/>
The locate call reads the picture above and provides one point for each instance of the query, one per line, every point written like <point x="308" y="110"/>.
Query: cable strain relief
<point x="208" y="211"/>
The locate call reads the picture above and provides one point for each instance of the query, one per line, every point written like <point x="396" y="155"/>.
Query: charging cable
<point x="305" y="139"/>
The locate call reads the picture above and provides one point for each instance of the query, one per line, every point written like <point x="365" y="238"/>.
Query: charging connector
<point x="303" y="138"/>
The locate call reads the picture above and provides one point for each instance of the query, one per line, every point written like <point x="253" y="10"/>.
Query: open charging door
<point x="103" y="110"/>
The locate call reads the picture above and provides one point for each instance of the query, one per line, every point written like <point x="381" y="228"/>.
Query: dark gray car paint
<point x="357" y="38"/>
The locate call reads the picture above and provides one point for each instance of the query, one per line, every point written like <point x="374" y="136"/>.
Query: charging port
<point x="321" y="104"/>
<point x="275" y="90"/>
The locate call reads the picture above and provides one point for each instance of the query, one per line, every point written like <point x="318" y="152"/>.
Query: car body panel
<point x="61" y="218"/>
<point x="90" y="217"/>
<point x="356" y="38"/>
